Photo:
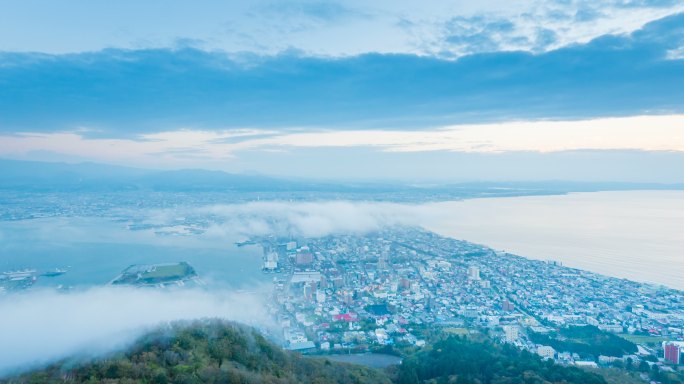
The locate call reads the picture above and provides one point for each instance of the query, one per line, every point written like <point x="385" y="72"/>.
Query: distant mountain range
<point x="31" y="175"/>
<point x="84" y="177"/>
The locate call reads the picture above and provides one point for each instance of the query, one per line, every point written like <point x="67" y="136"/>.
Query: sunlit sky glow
<point x="187" y="146"/>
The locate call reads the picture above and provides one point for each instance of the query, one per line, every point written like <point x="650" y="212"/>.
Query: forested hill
<point x="214" y="351"/>
<point x="460" y="361"/>
<point x="205" y="352"/>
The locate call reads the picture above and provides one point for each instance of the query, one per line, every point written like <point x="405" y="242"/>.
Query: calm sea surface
<point x="95" y="250"/>
<point x="637" y="235"/>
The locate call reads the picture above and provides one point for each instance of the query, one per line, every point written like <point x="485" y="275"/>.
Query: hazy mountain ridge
<point x="84" y="177"/>
<point x="32" y="175"/>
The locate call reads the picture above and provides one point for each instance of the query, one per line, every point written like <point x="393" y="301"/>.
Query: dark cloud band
<point x="124" y="92"/>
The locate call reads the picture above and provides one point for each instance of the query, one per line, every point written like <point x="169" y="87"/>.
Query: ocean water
<point x="637" y="235"/>
<point x="95" y="250"/>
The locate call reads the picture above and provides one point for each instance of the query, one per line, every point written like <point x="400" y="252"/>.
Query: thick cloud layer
<point x="42" y="326"/>
<point x="119" y="92"/>
<point x="312" y="219"/>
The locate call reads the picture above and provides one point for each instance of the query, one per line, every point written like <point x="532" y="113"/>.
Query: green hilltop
<point x="216" y="351"/>
<point x="207" y="351"/>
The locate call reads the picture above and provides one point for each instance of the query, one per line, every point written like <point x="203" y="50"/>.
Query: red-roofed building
<point x="345" y="317"/>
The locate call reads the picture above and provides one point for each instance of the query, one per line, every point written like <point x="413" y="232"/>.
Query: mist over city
<point x="315" y="191"/>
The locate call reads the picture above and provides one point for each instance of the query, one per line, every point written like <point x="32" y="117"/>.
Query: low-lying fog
<point x="39" y="327"/>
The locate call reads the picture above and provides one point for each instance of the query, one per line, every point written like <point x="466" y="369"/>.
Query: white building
<point x="614" y="328"/>
<point x="546" y="352"/>
<point x="586" y="364"/>
<point x="305" y="276"/>
<point x="381" y="335"/>
<point x="271" y="261"/>
<point x="511" y="333"/>
<point x="320" y="296"/>
<point x="473" y="273"/>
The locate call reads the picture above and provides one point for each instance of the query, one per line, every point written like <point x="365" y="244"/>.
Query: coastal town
<point x="394" y="290"/>
<point x="391" y="289"/>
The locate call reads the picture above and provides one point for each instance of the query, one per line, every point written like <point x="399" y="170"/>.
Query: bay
<point x="95" y="250"/>
<point x="638" y="235"/>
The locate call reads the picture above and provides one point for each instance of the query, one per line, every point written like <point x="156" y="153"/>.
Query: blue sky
<point x="448" y="90"/>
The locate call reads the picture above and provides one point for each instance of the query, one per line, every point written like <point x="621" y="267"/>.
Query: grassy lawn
<point x="456" y="331"/>
<point x="167" y="271"/>
<point x="641" y="339"/>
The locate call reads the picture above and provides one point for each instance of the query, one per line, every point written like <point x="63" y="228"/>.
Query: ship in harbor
<point x="54" y="272"/>
<point x="20" y="274"/>
<point x="245" y="242"/>
<point x="17" y="280"/>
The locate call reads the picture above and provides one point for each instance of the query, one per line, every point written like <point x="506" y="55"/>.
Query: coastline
<point x="634" y="235"/>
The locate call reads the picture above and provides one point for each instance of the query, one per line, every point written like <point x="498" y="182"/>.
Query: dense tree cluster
<point x="214" y="351"/>
<point x="586" y="341"/>
<point x="664" y="377"/>
<point x="460" y="361"/>
<point x="206" y="352"/>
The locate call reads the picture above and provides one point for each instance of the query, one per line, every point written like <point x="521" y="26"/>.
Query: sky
<point x="436" y="91"/>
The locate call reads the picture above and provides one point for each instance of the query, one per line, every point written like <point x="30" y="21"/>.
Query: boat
<point x="19" y="275"/>
<point x="54" y="272"/>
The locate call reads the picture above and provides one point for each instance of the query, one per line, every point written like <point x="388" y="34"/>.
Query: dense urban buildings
<point x="353" y="293"/>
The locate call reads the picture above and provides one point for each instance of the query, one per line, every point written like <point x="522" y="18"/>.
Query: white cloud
<point x="311" y="219"/>
<point x="538" y="26"/>
<point x="676" y="54"/>
<point x="647" y="133"/>
<point x="40" y="327"/>
<point x="190" y="148"/>
<point x="355" y="26"/>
